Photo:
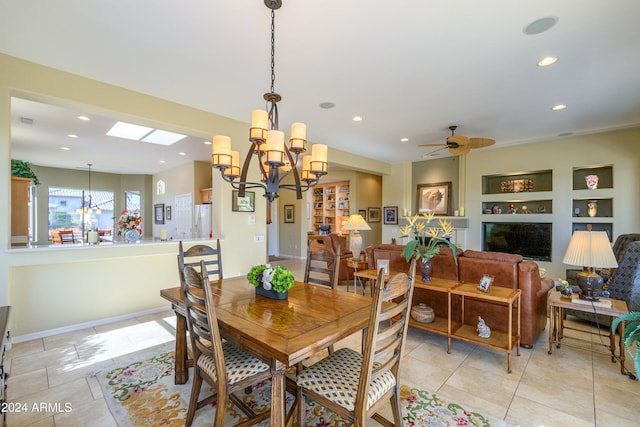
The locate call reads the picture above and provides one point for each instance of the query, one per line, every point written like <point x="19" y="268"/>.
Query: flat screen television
<point x="532" y="240"/>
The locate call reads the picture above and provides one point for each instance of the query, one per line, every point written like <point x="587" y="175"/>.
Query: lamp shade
<point x="590" y="249"/>
<point x="356" y="222"/>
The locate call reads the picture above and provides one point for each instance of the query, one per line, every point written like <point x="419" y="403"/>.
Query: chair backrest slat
<point x="194" y="256"/>
<point x="323" y="262"/>
<point x="387" y="329"/>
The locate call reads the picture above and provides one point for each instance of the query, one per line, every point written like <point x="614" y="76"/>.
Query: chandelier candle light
<point x="275" y="159"/>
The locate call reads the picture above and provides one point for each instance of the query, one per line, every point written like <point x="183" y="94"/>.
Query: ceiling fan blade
<point x="462" y="149"/>
<point x="436" y="150"/>
<point x="481" y="142"/>
<point x="432" y="145"/>
<point x="458" y="139"/>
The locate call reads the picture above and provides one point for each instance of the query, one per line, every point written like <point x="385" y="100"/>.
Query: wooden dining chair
<point x="212" y="257"/>
<point x="225" y="367"/>
<point x="355" y="385"/>
<point x="62" y="236"/>
<point x="323" y="262"/>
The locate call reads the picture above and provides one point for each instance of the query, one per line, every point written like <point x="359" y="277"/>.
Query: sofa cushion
<point x="503" y="267"/>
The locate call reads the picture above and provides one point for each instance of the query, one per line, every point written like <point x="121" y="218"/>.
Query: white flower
<point x="267" y="277"/>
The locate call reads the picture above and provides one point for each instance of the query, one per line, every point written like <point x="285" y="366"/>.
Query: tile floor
<point x="571" y="387"/>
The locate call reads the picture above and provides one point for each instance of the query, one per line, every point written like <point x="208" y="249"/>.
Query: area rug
<point x="143" y="393"/>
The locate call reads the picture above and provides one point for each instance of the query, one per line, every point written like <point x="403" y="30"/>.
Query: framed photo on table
<point x="243" y="204"/>
<point x="384" y="264"/>
<point x="434" y="198"/>
<point x="390" y="214"/>
<point x="485" y="283"/>
<point x="158" y="213"/>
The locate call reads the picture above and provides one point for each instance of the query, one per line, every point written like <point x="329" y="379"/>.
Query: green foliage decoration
<point x="22" y="169"/>
<point x="631" y="335"/>
<point x="277" y="278"/>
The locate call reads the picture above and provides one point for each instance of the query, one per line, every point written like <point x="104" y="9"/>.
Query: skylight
<point x="144" y="134"/>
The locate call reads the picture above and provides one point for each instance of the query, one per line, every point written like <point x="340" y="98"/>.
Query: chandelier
<point x="88" y="207"/>
<point x="276" y="160"/>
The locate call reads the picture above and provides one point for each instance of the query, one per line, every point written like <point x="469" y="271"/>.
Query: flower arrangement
<point x="277" y="278"/>
<point x="427" y="240"/>
<point x="130" y="221"/>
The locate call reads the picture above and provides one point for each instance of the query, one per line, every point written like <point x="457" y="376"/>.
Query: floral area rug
<point x="143" y="393"/>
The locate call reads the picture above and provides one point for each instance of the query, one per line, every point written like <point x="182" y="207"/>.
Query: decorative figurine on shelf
<point x="483" y="329"/>
<point x="592" y="208"/>
<point x="512" y="208"/>
<point x="592" y="181"/>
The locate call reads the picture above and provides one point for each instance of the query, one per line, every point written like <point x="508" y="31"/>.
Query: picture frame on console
<point x="434" y="197"/>
<point x="485" y="283"/>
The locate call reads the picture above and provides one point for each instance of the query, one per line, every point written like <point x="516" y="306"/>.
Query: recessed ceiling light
<point x="128" y="131"/>
<point x="327" y="105"/>
<point x="162" y="161"/>
<point x="547" y="60"/>
<point x="65" y="148"/>
<point x="404" y="139"/>
<point x="163" y="137"/>
<point x="540" y="25"/>
<point x="182" y="154"/>
<point x="72" y="135"/>
<point x="357" y="119"/>
<point x="558" y="107"/>
<point x="207" y="142"/>
<point x="84" y="118"/>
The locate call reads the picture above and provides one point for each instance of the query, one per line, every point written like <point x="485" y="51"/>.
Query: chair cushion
<point x="240" y="364"/>
<point x="336" y="378"/>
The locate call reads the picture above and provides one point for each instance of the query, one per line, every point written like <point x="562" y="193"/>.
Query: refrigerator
<point x="202" y="222"/>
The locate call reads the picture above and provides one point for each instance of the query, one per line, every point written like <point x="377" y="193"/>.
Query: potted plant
<point x="427" y="241"/>
<point x="631" y="335"/>
<point x="271" y="282"/>
<point x="22" y="169"/>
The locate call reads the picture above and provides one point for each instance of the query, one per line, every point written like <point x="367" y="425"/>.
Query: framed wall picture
<point x="243" y="204"/>
<point x="390" y="214"/>
<point x="434" y="198"/>
<point x="485" y="283"/>
<point x="167" y="213"/>
<point x="363" y="213"/>
<point x="289" y="213"/>
<point x="158" y="213"/>
<point x="373" y="214"/>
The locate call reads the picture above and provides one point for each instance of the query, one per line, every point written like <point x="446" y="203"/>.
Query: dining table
<point x="284" y="332"/>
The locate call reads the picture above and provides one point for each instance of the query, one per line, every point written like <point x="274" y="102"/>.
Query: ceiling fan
<point x="460" y="144"/>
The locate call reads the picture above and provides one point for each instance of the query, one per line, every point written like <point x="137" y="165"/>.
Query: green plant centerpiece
<point x="427" y="241"/>
<point x="272" y="282"/>
<point x="631" y="335"/>
<point x="22" y="169"/>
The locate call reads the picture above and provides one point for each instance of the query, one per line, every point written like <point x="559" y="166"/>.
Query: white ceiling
<point x="410" y="68"/>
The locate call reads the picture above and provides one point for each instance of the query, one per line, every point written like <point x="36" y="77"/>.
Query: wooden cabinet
<point x="20" y="210"/>
<point x="206" y="195"/>
<point x="330" y="205"/>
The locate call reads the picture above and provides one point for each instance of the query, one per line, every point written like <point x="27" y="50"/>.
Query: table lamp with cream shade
<point x="355" y="223"/>
<point x="590" y="250"/>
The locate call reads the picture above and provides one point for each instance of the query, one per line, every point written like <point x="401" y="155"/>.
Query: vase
<point x="132" y="236"/>
<point x="592" y="208"/>
<point x="591" y="181"/>
<point x="422" y="313"/>
<point x="271" y="293"/>
<point x="425" y="269"/>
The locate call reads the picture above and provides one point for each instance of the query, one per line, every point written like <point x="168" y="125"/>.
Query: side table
<point x="557" y="305"/>
<point x="357" y="265"/>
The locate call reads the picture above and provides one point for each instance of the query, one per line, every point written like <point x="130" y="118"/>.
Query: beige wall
<point x="619" y="148"/>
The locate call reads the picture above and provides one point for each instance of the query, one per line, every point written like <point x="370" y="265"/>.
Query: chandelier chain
<point x="273" y="50"/>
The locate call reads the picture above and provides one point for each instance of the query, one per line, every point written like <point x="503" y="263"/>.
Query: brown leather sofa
<point x="509" y="271"/>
